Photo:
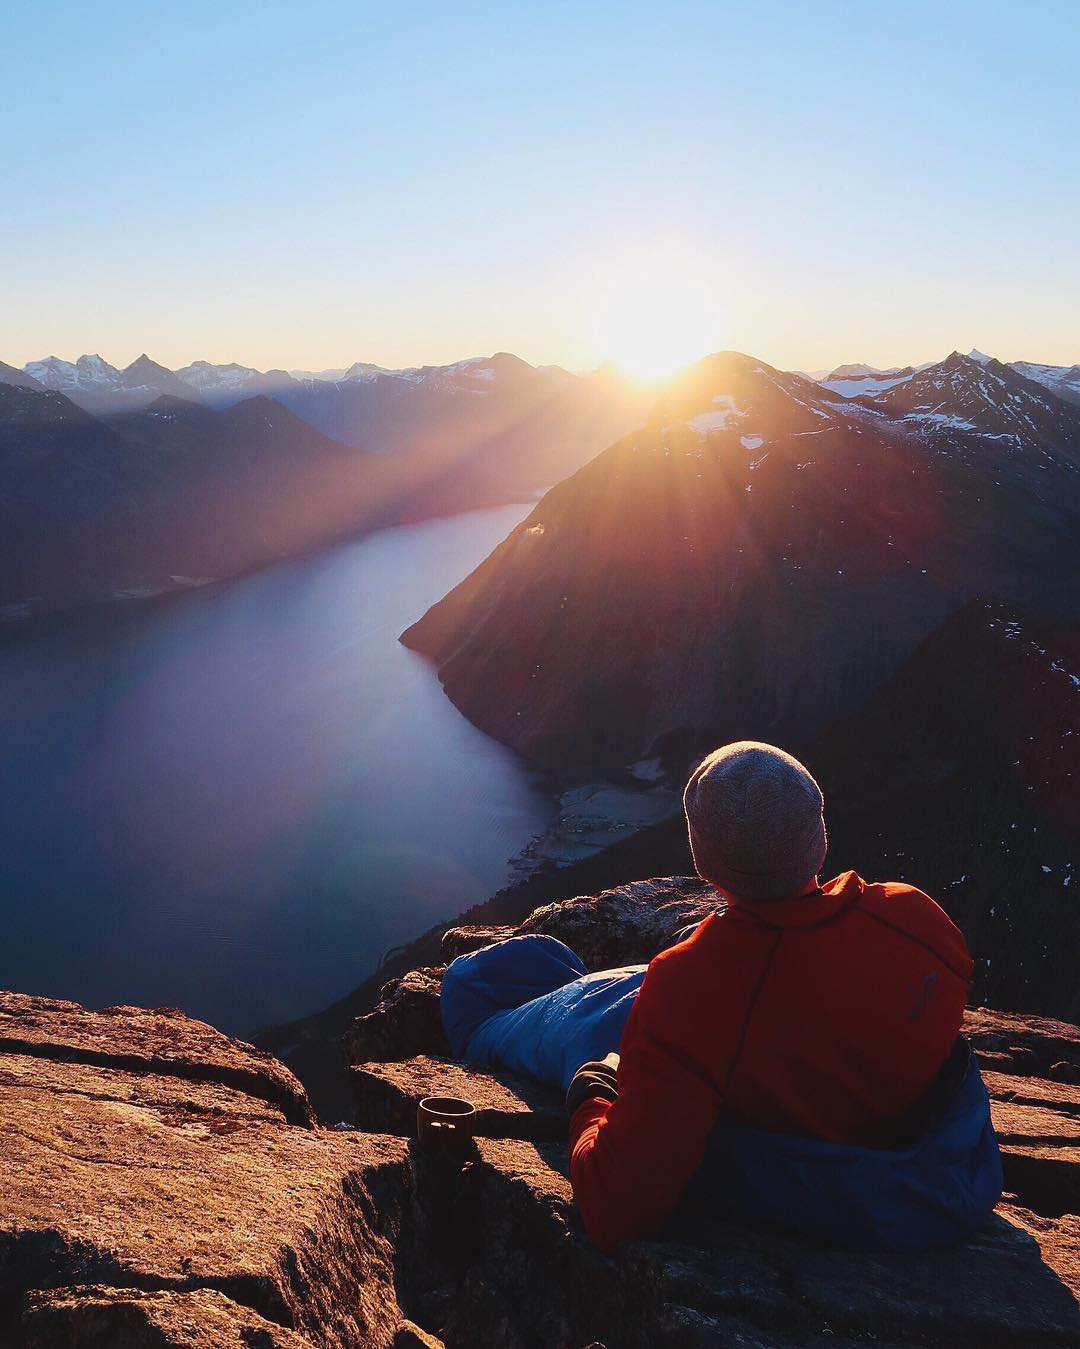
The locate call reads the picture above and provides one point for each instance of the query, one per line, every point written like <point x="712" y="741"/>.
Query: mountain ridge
<point x="754" y="497"/>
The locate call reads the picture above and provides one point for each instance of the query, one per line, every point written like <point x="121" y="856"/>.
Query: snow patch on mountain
<point x="868" y="384"/>
<point x="726" y="412"/>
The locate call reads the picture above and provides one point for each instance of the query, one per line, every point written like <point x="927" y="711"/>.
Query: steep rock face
<point x="751" y="563"/>
<point x="505" y="1262"/>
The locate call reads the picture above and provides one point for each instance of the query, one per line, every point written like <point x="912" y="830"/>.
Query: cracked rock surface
<point x="153" y="1191"/>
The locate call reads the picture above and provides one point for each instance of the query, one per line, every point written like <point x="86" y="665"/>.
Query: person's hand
<point x="594" y="1081"/>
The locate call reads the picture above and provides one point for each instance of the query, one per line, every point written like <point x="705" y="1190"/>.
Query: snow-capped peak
<point x="976" y="355"/>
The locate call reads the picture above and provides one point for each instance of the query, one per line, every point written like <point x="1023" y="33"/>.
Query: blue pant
<point x="530" y="1005"/>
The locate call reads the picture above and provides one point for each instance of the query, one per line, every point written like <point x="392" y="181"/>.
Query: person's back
<point x="823" y="1012"/>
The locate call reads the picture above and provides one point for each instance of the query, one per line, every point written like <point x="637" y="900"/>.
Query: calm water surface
<point x="236" y="801"/>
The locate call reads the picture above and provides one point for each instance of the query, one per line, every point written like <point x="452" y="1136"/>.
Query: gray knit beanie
<point x="755" y="819"/>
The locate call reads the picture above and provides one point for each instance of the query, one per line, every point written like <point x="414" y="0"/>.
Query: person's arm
<point x="631" y="1158"/>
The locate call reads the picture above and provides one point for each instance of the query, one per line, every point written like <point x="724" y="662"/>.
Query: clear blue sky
<point x="311" y="184"/>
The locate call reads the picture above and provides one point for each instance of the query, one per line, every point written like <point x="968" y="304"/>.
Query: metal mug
<point x="445" y="1122"/>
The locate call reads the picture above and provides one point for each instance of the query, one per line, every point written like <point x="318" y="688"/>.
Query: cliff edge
<point x="164" y="1185"/>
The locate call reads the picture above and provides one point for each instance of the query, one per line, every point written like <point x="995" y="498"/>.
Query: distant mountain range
<point x="119" y="483"/>
<point x="100" y="464"/>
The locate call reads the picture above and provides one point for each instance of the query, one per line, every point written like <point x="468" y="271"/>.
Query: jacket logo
<point x="922" y="997"/>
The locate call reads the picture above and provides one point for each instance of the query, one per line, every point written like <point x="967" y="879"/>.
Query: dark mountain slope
<point x="180" y="485"/>
<point x="19" y="378"/>
<point x="962" y="395"/>
<point x="962" y="775"/>
<point x="751" y="563"/>
<point x="94" y="509"/>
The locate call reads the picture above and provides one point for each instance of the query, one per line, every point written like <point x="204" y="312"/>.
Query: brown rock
<point x="411" y="1336"/>
<point x="153" y="1193"/>
<point x="163" y="1042"/>
<point x="129" y="1318"/>
<point x="387" y="1093"/>
<point x="216" y="1106"/>
<point x="1034" y="1124"/>
<point x="1035" y="1091"/>
<point x="404" y="1023"/>
<point x="1031" y="1044"/>
<point x="458" y="941"/>
<point x="628" y="925"/>
<point x="523" y="1274"/>
<point x="297" y="1224"/>
<point x="179" y="1181"/>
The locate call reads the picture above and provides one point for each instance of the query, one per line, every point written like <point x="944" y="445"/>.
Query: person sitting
<point x="796" y="1061"/>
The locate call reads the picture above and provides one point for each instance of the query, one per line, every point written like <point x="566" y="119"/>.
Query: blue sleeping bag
<point x="528" y="1004"/>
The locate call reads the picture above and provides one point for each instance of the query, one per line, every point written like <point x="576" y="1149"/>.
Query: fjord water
<point x="235" y="801"/>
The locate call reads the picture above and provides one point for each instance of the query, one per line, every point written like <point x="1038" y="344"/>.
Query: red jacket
<point x="827" y="1015"/>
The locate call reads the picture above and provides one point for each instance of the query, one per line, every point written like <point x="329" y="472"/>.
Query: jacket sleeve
<point x="630" y="1160"/>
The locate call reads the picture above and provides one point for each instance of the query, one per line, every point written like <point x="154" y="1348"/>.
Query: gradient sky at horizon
<point x="305" y="185"/>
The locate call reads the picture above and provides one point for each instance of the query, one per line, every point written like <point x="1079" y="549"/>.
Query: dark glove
<point x="594" y="1081"/>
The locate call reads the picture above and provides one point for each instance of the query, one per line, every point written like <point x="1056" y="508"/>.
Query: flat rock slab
<point x="1026" y="1046"/>
<point x="298" y="1225"/>
<point x="52" y="1079"/>
<point x="129" y="1318"/>
<point x="134" y="1040"/>
<point x="386" y="1094"/>
<point x="1029" y="1124"/>
<point x="459" y="941"/>
<point x="525" y="1275"/>
<point x="1036" y="1091"/>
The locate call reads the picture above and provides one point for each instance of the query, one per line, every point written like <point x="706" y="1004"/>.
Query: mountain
<point x="94" y="509"/>
<point x="220" y="385"/>
<point x="757" y="558"/>
<point x="1063" y="380"/>
<point x="18" y="378"/>
<point x="960" y="774"/>
<point x="976" y="393"/>
<point x="487" y="428"/>
<point x="96" y="386"/>
<point x="478" y="431"/>
<point x="125" y="462"/>
<point x="852" y="380"/>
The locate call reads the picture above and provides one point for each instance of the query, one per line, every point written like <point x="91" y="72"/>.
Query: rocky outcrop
<point x="159" y="1044"/>
<point x="163" y="1185"/>
<point x="405" y="1022"/>
<point x="505" y="1261"/>
<point x="125" y="1318"/>
<point x="626" y="925"/>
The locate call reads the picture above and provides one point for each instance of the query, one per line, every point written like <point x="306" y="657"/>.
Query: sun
<point x="658" y="351"/>
<point x="656" y="313"/>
